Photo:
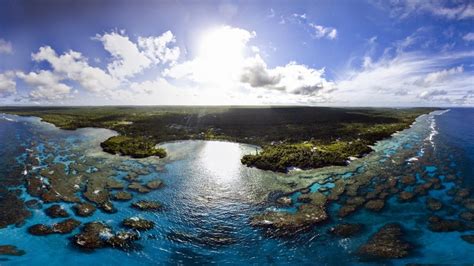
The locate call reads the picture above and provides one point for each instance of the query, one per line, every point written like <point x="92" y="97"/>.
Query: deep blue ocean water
<point x="208" y="193"/>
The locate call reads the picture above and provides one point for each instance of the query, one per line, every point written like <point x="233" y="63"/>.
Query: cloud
<point x="128" y="60"/>
<point x="256" y="73"/>
<point x="438" y="77"/>
<point x="405" y="78"/>
<point x="47" y="86"/>
<point x="292" y="78"/>
<point x="219" y="64"/>
<point x="430" y="94"/>
<point x="72" y="65"/>
<point x="7" y="84"/>
<point x="5" y="47"/>
<point x="469" y="37"/>
<point x="446" y="9"/>
<point x="151" y="86"/>
<point x="323" y="32"/>
<point x="156" y="48"/>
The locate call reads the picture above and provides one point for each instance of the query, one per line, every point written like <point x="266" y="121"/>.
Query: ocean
<point x="209" y="198"/>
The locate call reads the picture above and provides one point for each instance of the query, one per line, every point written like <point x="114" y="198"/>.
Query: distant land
<point x="301" y="137"/>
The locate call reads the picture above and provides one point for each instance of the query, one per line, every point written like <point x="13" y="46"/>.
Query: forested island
<point x="302" y="137"/>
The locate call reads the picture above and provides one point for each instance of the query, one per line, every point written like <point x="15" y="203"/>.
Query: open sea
<point x="209" y="198"/>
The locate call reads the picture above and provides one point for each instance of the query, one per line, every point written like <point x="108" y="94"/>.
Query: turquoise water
<point x="209" y="194"/>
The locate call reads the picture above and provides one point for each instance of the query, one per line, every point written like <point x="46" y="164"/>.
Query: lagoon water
<point x="209" y="196"/>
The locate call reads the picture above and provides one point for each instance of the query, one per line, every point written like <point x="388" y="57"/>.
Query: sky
<point x="320" y="53"/>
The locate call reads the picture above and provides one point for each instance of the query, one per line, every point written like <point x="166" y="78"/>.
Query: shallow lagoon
<point x="208" y="194"/>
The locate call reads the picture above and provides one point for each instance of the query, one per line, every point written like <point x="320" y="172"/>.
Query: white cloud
<point x="5" y="47"/>
<point x="469" y="37"/>
<point x="405" y="78"/>
<point x="432" y="93"/>
<point x="46" y="86"/>
<point x="7" y="84"/>
<point x="445" y="9"/>
<point x="222" y="64"/>
<point x="128" y="60"/>
<point x="323" y="32"/>
<point x="72" y="65"/>
<point x="292" y="78"/>
<point x="156" y="48"/>
<point x="438" y="77"/>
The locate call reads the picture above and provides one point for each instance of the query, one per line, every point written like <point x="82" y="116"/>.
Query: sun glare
<point x="221" y="51"/>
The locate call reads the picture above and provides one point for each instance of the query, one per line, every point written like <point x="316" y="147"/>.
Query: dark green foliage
<point x="136" y="147"/>
<point x="288" y="134"/>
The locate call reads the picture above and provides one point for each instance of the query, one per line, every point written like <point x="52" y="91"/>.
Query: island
<point x="290" y="137"/>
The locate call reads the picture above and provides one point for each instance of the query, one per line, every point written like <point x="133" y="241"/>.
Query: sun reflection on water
<point x="221" y="160"/>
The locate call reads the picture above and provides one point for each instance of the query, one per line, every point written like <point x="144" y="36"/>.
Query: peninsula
<point x="301" y="137"/>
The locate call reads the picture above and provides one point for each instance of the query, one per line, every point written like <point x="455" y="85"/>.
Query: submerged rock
<point x="11" y="250"/>
<point x="33" y="204"/>
<point x="437" y="224"/>
<point x="468" y="238"/>
<point x="210" y="239"/>
<point x="114" y="184"/>
<point x="145" y="205"/>
<point x="287" y="224"/>
<point x="56" y="211"/>
<point x="434" y="204"/>
<point x="84" y="209"/>
<point x="375" y="205"/>
<point x="135" y="186"/>
<point x="469" y="216"/>
<point x="99" y="235"/>
<point x="356" y="201"/>
<point x="138" y="223"/>
<point x="387" y="243"/>
<point x="408" y="180"/>
<point x="12" y="209"/>
<point x="469" y="204"/>
<point x="345" y="210"/>
<point x="154" y="184"/>
<point x="406" y="196"/>
<point x="346" y="229"/>
<point x="122" y="196"/>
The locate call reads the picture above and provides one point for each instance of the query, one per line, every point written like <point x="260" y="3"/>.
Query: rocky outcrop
<point x="11" y="250"/>
<point x="84" y="209"/>
<point x="135" y="186"/>
<point x="468" y="238"/>
<point x="154" y="184"/>
<point x="375" y="205"/>
<point x="122" y="196"/>
<point x="138" y="224"/>
<point x="387" y="243"/>
<point x="437" y="224"/>
<point x="346" y="229"/>
<point x="64" y="227"/>
<point x="99" y="235"/>
<point x="433" y="204"/>
<point x="146" y="205"/>
<point x="285" y="224"/>
<point x="56" y="211"/>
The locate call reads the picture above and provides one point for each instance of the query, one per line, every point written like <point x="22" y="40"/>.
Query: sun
<point x="221" y="52"/>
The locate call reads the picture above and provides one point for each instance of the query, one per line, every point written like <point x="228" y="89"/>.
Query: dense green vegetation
<point x="303" y="137"/>
<point x="136" y="147"/>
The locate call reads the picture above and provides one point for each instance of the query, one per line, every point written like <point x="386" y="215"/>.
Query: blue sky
<point x="331" y="53"/>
